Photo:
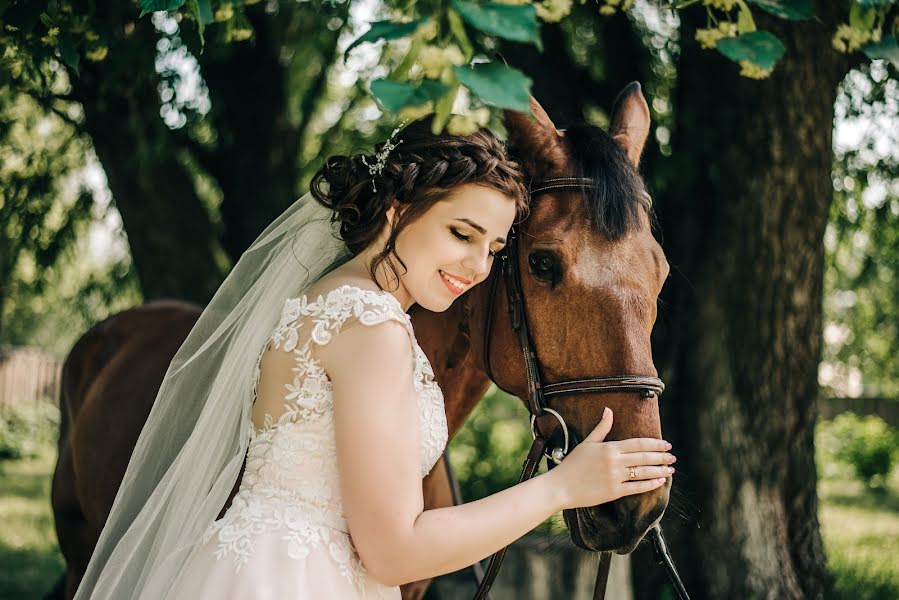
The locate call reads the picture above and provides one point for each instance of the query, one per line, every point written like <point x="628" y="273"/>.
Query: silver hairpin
<point x="375" y="169"/>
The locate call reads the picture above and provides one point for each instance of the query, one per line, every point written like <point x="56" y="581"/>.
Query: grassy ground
<point x="861" y="536"/>
<point x="860" y="529"/>
<point x="30" y="562"/>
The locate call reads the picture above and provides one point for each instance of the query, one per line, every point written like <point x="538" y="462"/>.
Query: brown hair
<point x="420" y="171"/>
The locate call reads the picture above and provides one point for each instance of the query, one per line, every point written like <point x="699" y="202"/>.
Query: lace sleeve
<point x="291" y="383"/>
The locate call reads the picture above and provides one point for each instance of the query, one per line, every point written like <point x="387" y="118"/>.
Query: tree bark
<point x="169" y="231"/>
<point x="740" y="344"/>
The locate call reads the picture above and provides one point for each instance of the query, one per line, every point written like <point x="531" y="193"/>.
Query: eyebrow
<point x="480" y="229"/>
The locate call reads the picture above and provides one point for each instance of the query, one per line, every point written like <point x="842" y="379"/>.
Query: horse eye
<point x="542" y="264"/>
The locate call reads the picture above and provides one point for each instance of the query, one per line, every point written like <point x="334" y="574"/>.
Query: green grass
<point x="860" y="528"/>
<point x="31" y="562"/>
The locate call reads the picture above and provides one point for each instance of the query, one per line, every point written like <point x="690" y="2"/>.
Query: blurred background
<point x="146" y="174"/>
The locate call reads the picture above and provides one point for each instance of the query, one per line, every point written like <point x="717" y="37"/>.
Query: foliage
<point x="40" y="156"/>
<point x="488" y="451"/>
<point x="456" y="34"/>
<point x="867" y="445"/>
<point x="861" y="296"/>
<point x="860" y="530"/>
<point x="26" y="428"/>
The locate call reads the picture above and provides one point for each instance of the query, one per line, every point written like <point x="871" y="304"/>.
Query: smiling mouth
<point x="455" y="284"/>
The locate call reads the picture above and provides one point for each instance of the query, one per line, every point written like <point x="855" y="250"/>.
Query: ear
<point x="536" y="141"/>
<point x="394" y="210"/>
<point x="630" y="121"/>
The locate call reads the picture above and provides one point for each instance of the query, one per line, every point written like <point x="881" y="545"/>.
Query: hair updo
<point x="419" y="172"/>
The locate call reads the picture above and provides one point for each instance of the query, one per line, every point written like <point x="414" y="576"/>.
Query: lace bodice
<point x="290" y="483"/>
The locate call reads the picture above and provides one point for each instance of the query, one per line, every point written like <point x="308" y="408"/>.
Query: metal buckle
<point x="557" y="453"/>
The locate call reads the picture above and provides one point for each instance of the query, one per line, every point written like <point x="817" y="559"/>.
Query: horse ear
<point x="536" y="140"/>
<point x="630" y="121"/>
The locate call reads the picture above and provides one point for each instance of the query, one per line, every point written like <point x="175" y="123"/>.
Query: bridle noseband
<point x="648" y="387"/>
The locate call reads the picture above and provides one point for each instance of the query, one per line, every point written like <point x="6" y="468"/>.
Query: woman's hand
<point x="596" y="472"/>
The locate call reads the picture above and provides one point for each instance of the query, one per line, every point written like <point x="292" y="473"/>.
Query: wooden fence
<point x="28" y="375"/>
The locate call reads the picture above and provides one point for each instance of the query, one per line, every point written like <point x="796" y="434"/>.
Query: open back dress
<point x="285" y="535"/>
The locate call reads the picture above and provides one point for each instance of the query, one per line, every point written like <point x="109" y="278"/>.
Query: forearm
<point x="443" y="540"/>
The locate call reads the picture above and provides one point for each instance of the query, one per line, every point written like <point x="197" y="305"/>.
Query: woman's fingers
<point x="641" y="445"/>
<point x="642" y="473"/>
<point x="638" y="487"/>
<point x="647" y="458"/>
<point x="602" y="429"/>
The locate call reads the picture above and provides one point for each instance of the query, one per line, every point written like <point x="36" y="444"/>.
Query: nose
<point x="478" y="263"/>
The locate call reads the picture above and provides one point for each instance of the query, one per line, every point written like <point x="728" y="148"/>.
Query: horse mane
<point x="618" y="193"/>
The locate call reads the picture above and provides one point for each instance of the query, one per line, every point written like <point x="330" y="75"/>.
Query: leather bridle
<point x="538" y="392"/>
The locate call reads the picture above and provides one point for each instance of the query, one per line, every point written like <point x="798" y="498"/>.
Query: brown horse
<point x="591" y="273"/>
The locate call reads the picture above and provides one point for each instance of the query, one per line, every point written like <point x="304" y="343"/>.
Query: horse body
<point x="606" y="278"/>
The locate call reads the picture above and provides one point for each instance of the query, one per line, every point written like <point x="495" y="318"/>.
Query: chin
<point x="436" y="305"/>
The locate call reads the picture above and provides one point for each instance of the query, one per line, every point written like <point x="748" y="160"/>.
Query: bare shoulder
<point x="363" y="351"/>
<point x="336" y="279"/>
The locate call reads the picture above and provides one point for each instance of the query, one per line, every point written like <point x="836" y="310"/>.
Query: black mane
<point x="618" y="193"/>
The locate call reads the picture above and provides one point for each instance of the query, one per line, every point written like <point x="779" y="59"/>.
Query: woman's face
<point x="450" y="248"/>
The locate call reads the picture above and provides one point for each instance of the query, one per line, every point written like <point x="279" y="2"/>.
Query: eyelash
<point x="466" y="238"/>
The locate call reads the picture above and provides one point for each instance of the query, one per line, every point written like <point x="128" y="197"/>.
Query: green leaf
<point x="512" y="22"/>
<point x="394" y="95"/>
<point x="872" y="3"/>
<point x="497" y="85"/>
<point x="745" y="22"/>
<point x="860" y="19"/>
<point x="759" y="47"/>
<point x="202" y="14"/>
<point x="443" y="108"/>
<point x="148" y="6"/>
<point x="797" y="10"/>
<point x="887" y="48"/>
<point x="205" y="12"/>
<point x="457" y="27"/>
<point x="385" y="30"/>
<point x="68" y="51"/>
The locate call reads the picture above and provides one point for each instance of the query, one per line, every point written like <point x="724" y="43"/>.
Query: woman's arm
<point x="376" y="427"/>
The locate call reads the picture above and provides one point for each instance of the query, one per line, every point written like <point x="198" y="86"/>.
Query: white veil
<point x="191" y="449"/>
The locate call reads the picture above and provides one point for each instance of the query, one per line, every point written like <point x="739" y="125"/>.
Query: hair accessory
<point x="375" y="168"/>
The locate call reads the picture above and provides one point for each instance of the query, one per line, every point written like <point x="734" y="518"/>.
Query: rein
<point x="538" y="392"/>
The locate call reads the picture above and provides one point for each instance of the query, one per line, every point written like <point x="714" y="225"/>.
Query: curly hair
<point x="420" y="171"/>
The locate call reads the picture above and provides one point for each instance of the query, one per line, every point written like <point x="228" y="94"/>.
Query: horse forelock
<point x="617" y="202"/>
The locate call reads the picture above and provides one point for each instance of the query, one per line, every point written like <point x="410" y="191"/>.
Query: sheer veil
<point x="192" y="446"/>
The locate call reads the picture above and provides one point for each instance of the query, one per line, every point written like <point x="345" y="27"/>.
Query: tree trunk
<point x="170" y="233"/>
<point x="740" y="344"/>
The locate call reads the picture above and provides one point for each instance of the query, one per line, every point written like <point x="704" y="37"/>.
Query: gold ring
<point x="633" y="473"/>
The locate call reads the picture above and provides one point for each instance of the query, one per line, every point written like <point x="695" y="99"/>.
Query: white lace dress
<point x="285" y="535"/>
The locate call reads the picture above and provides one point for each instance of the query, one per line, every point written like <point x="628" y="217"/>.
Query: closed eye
<point x="467" y="238"/>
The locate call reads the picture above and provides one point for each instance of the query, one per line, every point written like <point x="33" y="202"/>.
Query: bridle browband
<point x="538" y="392"/>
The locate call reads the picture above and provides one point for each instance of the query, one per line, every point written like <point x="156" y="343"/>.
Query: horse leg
<point x="77" y="538"/>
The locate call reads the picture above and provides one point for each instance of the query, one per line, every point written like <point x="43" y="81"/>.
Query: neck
<point x="385" y="277"/>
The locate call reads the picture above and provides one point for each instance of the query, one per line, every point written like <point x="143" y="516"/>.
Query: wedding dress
<point x="285" y="534"/>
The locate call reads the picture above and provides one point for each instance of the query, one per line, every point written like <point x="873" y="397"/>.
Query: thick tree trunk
<point x="170" y="234"/>
<point x="741" y="341"/>
<point x="258" y="134"/>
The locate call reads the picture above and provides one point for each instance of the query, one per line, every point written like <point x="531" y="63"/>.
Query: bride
<point x="303" y="382"/>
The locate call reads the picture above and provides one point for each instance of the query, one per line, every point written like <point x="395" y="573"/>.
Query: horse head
<point x="590" y="274"/>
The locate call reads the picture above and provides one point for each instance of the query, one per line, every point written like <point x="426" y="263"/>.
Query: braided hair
<point x="420" y="171"/>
